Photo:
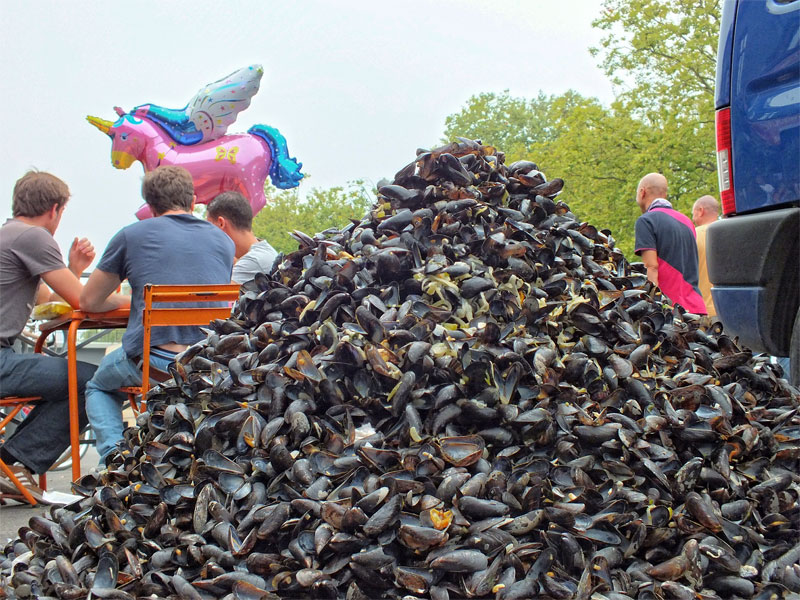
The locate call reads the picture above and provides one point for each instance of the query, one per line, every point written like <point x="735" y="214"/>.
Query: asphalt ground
<point x="14" y="515"/>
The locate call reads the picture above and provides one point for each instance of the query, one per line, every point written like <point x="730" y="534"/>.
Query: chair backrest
<point x="202" y="315"/>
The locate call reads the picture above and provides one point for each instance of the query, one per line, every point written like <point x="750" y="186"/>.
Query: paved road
<point x="14" y="515"/>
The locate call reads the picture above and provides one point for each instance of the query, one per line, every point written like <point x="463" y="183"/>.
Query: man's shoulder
<point x="261" y="252"/>
<point x="262" y="246"/>
<point x="661" y="216"/>
<point x="184" y="222"/>
<point x="19" y="226"/>
<point x="651" y="215"/>
<point x="203" y="234"/>
<point x="135" y="226"/>
<point x="214" y="232"/>
<point x="190" y="221"/>
<point x="645" y="218"/>
<point x="16" y="232"/>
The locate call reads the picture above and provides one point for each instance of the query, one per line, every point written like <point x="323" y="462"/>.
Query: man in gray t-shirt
<point x="30" y="261"/>
<point x="231" y="212"/>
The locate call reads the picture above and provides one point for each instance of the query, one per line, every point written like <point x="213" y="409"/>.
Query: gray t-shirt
<point x="258" y="259"/>
<point x="171" y="249"/>
<point x="26" y="251"/>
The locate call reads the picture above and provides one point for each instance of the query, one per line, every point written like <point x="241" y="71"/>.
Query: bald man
<point x="665" y="240"/>
<point x="704" y="212"/>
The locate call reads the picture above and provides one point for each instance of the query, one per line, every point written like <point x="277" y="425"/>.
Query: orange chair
<point x="191" y="315"/>
<point x="16" y="404"/>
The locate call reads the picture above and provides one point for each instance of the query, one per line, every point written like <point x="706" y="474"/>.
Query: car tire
<point x="794" y="352"/>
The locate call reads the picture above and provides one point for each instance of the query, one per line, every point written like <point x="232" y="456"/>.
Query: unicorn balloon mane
<point x="195" y="138"/>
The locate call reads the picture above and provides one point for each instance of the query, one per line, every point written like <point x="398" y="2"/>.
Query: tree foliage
<point x="661" y="56"/>
<point x="666" y="48"/>
<point x="514" y="125"/>
<point x="321" y="209"/>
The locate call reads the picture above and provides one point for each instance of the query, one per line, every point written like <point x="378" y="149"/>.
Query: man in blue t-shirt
<point x="175" y="247"/>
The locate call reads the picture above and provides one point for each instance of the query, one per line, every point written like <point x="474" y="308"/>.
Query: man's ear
<point x="219" y="221"/>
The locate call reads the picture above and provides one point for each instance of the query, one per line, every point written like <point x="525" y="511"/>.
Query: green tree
<point x="660" y="55"/>
<point x="599" y="150"/>
<point x="320" y="210"/>
<point x="666" y="48"/>
<point x="516" y="126"/>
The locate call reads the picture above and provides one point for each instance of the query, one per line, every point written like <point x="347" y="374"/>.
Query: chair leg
<point x="133" y="404"/>
<point x="43" y="481"/>
<point x="22" y="489"/>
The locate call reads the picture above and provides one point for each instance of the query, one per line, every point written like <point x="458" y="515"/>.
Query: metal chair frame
<point x="190" y="315"/>
<point x="16" y="404"/>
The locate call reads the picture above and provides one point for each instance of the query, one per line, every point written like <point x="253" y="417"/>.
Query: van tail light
<point x="725" y="161"/>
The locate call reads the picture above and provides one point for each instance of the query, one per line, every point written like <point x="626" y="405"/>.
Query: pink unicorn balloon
<point x="188" y="138"/>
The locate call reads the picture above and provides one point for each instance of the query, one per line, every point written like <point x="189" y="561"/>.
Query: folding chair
<point x="190" y="315"/>
<point x="16" y="404"/>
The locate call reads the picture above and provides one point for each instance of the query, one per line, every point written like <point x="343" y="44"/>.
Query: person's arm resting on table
<point x="98" y="293"/>
<point x="650" y="260"/>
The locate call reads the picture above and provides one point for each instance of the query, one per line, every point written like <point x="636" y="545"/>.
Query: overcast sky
<point x="354" y="86"/>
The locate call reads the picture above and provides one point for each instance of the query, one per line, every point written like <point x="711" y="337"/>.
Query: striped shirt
<point x="672" y="235"/>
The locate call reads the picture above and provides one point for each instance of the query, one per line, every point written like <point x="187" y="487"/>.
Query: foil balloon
<point x="195" y="138"/>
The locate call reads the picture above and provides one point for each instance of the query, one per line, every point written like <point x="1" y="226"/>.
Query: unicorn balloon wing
<point x="207" y="116"/>
<point x="215" y="107"/>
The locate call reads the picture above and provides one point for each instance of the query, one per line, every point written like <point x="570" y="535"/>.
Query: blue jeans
<point x="104" y="400"/>
<point x="44" y="434"/>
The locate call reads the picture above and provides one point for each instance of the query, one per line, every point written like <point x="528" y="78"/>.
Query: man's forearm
<point x="652" y="274"/>
<point x="112" y="302"/>
<point x="97" y="294"/>
<point x="650" y="260"/>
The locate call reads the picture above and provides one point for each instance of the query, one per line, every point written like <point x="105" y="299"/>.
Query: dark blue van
<point x="753" y="252"/>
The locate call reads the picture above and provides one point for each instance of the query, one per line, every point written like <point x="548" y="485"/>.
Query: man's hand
<point x="81" y="255"/>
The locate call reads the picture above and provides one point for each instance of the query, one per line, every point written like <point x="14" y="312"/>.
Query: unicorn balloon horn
<point x="101" y="124"/>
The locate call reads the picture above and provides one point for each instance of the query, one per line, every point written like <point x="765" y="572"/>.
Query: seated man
<point x="174" y="247"/>
<point x="231" y="212"/>
<point x="29" y="259"/>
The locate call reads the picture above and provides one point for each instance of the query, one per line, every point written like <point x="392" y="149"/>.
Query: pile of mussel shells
<point x="469" y="393"/>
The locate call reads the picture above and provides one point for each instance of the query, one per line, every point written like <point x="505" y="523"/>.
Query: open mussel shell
<point x="461" y="451"/>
